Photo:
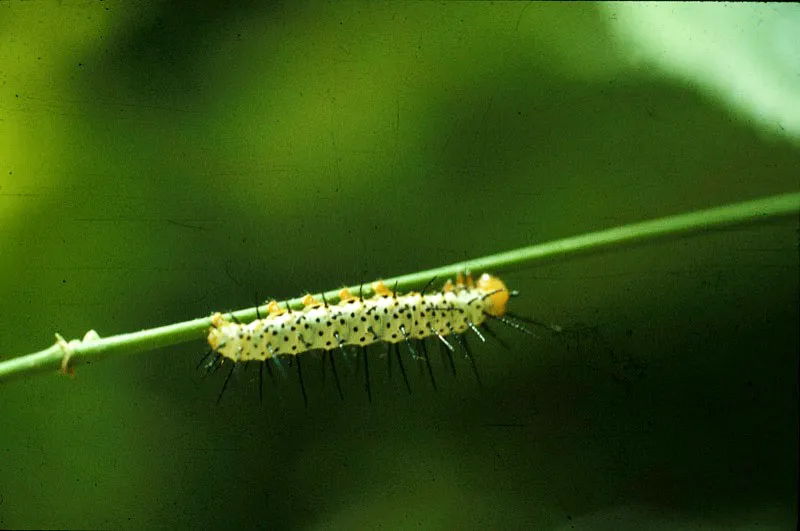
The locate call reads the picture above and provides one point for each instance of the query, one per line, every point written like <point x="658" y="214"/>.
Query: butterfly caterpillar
<point x="386" y="317"/>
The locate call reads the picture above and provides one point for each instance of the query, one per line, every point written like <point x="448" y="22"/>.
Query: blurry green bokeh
<point x="163" y="161"/>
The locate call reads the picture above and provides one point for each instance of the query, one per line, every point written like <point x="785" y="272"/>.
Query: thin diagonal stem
<point x="627" y="235"/>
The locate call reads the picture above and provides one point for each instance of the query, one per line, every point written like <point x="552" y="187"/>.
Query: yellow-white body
<point x="384" y="317"/>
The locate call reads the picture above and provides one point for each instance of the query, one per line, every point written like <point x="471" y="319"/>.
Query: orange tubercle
<point x="217" y="320"/>
<point x="274" y="309"/>
<point x="381" y="289"/>
<point x="345" y="295"/>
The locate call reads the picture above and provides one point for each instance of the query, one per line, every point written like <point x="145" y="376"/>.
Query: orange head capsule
<point x="495" y="292"/>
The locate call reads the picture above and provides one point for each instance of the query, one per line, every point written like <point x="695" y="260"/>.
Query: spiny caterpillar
<point x="386" y="317"/>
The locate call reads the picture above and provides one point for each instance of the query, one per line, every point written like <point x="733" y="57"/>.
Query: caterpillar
<point x="387" y="317"/>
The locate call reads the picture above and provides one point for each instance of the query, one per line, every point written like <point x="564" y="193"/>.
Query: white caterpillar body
<point x="385" y="317"/>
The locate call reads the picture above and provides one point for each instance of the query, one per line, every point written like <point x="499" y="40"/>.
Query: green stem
<point x="635" y="233"/>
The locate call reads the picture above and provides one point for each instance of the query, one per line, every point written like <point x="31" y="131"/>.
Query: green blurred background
<point x="166" y="160"/>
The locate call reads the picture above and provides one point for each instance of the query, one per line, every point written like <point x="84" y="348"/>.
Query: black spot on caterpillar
<point x="387" y="317"/>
